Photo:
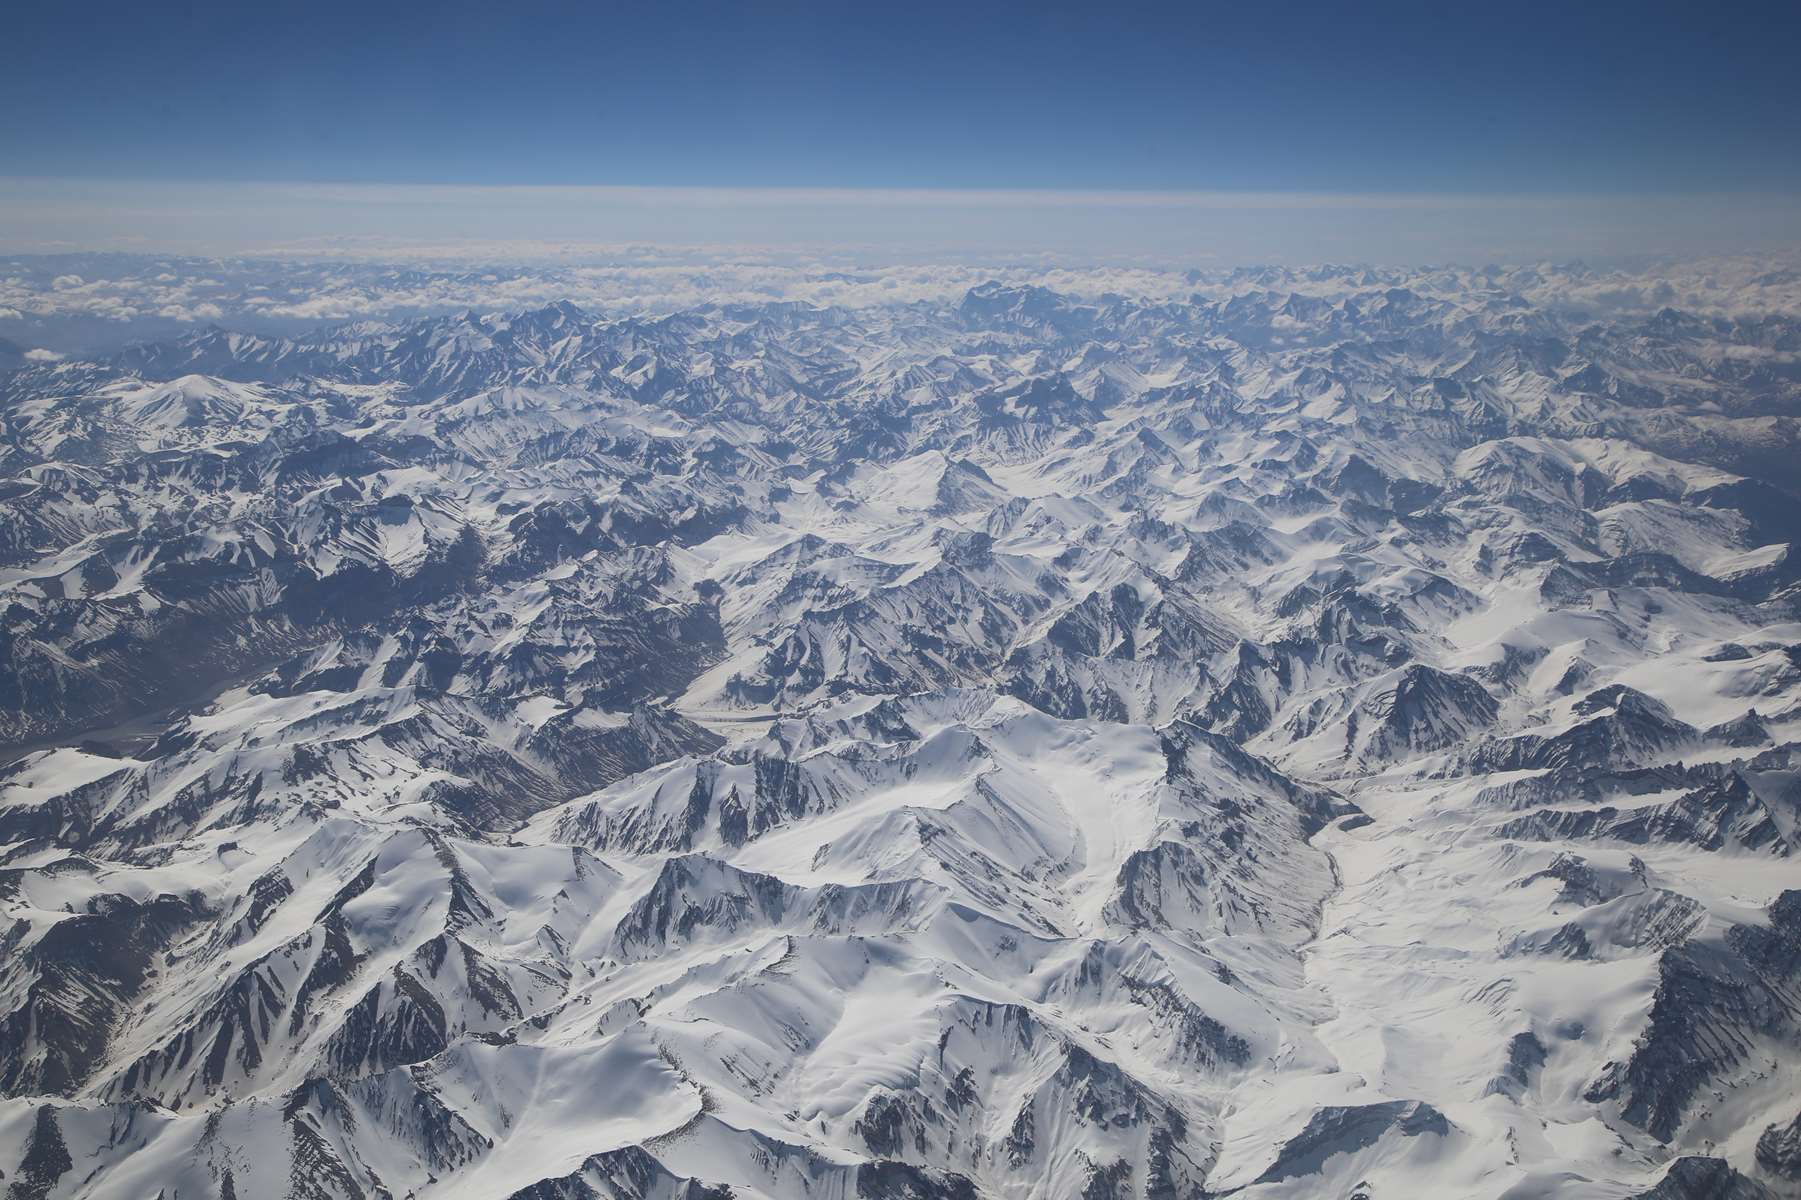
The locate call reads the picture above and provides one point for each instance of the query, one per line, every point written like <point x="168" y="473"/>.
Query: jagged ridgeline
<point x="1332" y="735"/>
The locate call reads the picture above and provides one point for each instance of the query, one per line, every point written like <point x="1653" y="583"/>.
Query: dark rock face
<point x="628" y="1174"/>
<point x="46" y="1160"/>
<point x="1713" y="1005"/>
<point x="1347" y="1130"/>
<point x="1617" y="726"/>
<point x="1580" y="884"/>
<point x="1728" y="813"/>
<point x="1696" y="1178"/>
<point x="1779" y="1149"/>
<point x="83" y="970"/>
<point x="1428" y="710"/>
<point x="1525" y="1055"/>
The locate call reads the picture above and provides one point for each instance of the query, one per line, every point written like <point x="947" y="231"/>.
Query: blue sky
<point x="1422" y="132"/>
<point x="1573" y="97"/>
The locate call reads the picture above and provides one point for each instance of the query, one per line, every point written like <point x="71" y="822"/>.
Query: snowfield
<point x="1316" y="733"/>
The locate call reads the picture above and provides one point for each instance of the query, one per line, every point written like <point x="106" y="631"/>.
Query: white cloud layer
<point x="84" y="303"/>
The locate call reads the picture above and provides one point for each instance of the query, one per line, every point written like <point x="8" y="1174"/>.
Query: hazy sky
<point x="1416" y="130"/>
<point x="881" y="225"/>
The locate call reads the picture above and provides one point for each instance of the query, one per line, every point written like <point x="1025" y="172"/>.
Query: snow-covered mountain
<point x="1334" y="734"/>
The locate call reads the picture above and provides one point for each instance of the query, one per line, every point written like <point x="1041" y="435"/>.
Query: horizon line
<point x="976" y="196"/>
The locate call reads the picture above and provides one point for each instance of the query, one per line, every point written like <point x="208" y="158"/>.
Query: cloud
<point x="146" y="296"/>
<point x="41" y="355"/>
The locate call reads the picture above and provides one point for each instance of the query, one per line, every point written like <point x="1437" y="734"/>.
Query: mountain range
<point x="1333" y="733"/>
